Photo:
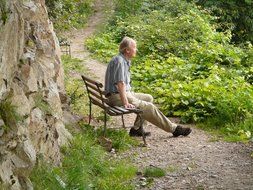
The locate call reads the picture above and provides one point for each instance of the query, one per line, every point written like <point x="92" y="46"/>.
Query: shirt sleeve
<point x="119" y="71"/>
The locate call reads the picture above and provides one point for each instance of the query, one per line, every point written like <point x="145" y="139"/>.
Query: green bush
<point x="67" y="14"/>
<point x="154" y="172"/>
<point x="8" y="113"/>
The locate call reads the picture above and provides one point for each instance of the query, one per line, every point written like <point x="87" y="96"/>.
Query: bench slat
<point x="108" y="109"/>
<point x="98" y="96"/>
<point x="119" y="112"/>
<point x="85" y="79"/>
<point x="94" y="87"/>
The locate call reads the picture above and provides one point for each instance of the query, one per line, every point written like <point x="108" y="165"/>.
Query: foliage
<point x="234" y="15"/>
<point x="154" y="172"/>
<point x="106" y="47"/>
<point x="42" y="104"/>
<point x="4" y="186"/>
<point x="85" y="166"/>
<point x="192" y="70"/>
<point x="8" y="113"/>
<point x="4" y="12"/>
<point x="66" y="14"/>
<point x="120" y="139"/>
<point x="74" y="86"/>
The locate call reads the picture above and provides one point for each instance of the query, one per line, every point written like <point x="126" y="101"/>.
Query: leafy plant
<point x="4" y="11"/>
<point x="75" y="86"/>
<point x="154" y="172"/>
<point x="67" y="14"/>
<point x="232" y="15"/>
<point x="8" y="113"/>
<point x="120" y="139"/>
<point x="42" y="104"/>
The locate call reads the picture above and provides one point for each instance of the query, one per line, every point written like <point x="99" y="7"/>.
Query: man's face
<point x="132" y="50"/>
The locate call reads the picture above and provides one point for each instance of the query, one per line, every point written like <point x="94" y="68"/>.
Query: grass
<point x="172" y="168"/>
<point x="121" y="140"/>
<point x="9" y="114"/>
<point x="4" y="186"/>
<point x="85" y="166"/>
<point x="42" y="104"/>
<point x="154" y="172"/>
<point x="239" y="132"/>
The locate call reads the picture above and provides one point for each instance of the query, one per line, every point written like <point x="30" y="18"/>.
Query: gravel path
<point x="194" y="162"/>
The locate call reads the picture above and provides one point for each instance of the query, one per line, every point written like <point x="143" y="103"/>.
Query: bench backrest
<point x="95" y="92"/>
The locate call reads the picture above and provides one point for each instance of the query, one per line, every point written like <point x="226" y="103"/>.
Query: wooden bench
<point x="97" y="97"/>
<point x="65" y="46"/>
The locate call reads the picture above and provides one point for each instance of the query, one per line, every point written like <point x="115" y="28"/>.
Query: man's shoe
<point x="138" y="132"/>
<point x="181" y="131"/>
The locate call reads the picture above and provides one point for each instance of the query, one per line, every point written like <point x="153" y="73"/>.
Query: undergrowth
<point x="9" y="114"/>
<point x="85" y="165"/>
<point x="67" y="14"/>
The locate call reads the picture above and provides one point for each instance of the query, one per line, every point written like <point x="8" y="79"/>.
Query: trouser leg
<point x="140" y="121"/>
<point x="150" y="112"/>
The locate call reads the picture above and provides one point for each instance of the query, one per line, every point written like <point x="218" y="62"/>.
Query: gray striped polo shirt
<point x="117" y="70"/>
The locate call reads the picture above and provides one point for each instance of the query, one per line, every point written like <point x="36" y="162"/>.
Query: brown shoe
<point x="181" y="131"/>
<point x="138" y="132"/>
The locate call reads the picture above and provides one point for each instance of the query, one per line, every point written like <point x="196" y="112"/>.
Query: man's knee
<point x="149" y="98"/>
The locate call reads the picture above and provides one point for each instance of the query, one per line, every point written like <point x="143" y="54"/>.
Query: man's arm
<point x="122" y="92"/>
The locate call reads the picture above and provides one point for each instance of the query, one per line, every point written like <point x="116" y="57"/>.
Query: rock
<point x="214" y="176"/>
<point x="106" y="143"/>
<point x="64" y="135"/>
<point x="1" y="130"/>
<point x="12" y="145"/>
<point x="30" y="66"/>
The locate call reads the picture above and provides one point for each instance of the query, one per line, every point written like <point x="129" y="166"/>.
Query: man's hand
<point x="129" y="106"/>
<point x="122" y="92"/>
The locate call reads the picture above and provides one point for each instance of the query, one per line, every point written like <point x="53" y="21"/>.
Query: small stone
<point x="143" y="179"/>
<point x="143" y="184"/>
<point x="214" y="176"/>
<point x="12" y="145"/>
<point x="1" y="131"/>
<point x="113" y="151"/>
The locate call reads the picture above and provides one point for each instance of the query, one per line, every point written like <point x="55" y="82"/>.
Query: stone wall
<point x="31" y="78"/>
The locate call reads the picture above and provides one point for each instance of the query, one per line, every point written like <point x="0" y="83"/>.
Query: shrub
<point x="66" y="14"/>
<point x="8" y="113"/>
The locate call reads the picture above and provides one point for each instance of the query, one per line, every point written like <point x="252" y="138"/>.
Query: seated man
<point x="118" y="90"/>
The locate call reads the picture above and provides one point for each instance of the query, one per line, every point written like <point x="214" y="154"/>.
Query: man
<point x="118" y="90"/>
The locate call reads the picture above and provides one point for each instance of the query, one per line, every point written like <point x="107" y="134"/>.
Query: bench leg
<point x="69" y="51"/>
<point x="89" y="113"/>
<point x="104" y="122"/>
<point x="143" y="134"/>
<point x="122" y="117"/>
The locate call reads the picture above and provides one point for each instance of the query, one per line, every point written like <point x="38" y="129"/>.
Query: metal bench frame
<point x="97" y="97"/>
<point x="65" y="47"/>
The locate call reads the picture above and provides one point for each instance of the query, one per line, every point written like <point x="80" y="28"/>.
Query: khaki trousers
<point x="150" y="112"/>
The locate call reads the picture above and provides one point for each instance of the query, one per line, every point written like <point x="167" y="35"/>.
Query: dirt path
<point x="194" y="162"/>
